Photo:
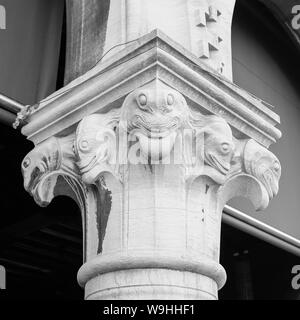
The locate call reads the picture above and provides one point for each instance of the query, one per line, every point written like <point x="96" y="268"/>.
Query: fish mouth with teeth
<point x="154" y="130"/>
<point x="156" y="139"/>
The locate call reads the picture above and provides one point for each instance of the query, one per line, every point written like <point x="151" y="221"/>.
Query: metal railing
<point x="260" y="230"/>
<point x="9" y="109"/>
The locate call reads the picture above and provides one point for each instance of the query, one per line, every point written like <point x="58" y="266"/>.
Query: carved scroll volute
<point x="255" y="175"/>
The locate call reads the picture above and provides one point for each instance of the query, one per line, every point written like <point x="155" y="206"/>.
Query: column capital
<point x="151" y="145"/>
<point x="155" y="121"/>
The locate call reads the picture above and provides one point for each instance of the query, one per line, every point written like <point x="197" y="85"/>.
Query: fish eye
<point x="170" y="99"/>
<point x="225" y="147"/>
<point x="84" y="144"/>
<point x="142" y="99"/>
<point x="26" y="163"/>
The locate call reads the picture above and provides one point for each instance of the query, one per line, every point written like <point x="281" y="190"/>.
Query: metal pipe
<point x="261" y="230"/>
<point x="10" y="105"/>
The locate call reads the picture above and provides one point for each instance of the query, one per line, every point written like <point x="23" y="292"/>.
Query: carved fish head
<point x="43" y="159"/>
<point x="154" y="109"/>
<point x="218" y="145"/>
<point x="95" y="144"/>
<point x="153" y="114"/>
<point x="263" y="165"/>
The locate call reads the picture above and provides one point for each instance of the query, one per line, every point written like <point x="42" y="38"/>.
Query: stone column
<point x="151" y="144"/>
<point x="203" y="27"/>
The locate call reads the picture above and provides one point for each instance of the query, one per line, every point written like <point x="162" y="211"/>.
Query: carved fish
<point x="153" y="114"/>
<point x="96" y="145"/>
<point x="218" y="144"/>
<point x="263" y="165"/>
<point x="44" y="158"/>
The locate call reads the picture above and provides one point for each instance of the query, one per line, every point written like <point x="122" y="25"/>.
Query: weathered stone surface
<point x="152" y="178"/>
<point x="152" y="143"/>
<point x="98" y="28"/>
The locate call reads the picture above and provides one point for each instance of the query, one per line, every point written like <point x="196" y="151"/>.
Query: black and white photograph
<point x="150" y="153"/>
